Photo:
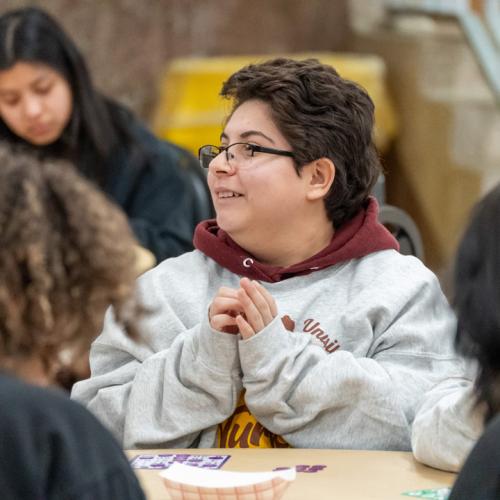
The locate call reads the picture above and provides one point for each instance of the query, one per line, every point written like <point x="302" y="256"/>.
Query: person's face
<point x="36" y="102"/>
<point x="257" y="197"/>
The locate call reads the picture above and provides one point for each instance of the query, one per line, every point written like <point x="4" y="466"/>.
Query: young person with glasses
<point x="295" y="322"/>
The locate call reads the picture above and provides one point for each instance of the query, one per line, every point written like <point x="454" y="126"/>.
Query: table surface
<point x="348" y="475"/>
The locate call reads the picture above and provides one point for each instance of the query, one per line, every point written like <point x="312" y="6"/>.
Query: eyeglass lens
<point x="238" y="151"/>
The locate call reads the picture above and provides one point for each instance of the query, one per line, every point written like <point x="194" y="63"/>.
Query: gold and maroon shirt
<point x="242" y="430"/>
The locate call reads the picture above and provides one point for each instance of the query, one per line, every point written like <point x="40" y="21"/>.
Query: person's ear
<point x="321" y="174"/>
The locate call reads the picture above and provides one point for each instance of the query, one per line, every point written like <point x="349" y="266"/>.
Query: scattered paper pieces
<point x="433" y="494"/>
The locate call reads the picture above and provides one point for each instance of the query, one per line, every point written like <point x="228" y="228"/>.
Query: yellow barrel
<point x="191" y="113"/>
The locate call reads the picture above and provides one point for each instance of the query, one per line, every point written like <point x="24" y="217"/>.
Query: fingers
<point x="269" y="298"/>
<point x="222" y="304"/>
<point x="247" y="310"/>
<point x="225" y="300"/>
<point x="246" y="331"/>
<point x="223" y="309"/>
<point x="258" y="304"/>
<point x="224" y="323"/>
<point x="253" y="315"/>
<point x="262" y="299"/>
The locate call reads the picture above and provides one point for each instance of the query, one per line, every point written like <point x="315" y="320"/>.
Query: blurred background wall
<point x="447" y="150"/>
<point x="128" y="42"/>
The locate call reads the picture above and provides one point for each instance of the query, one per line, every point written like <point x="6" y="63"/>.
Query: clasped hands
<point x="246" y="310"/>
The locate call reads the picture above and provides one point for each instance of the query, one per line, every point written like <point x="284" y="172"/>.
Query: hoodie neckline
<point x="358" y="237"/>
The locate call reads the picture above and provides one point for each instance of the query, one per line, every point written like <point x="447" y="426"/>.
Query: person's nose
<point x="220" y="165"/>
<point x="32" y="106"/>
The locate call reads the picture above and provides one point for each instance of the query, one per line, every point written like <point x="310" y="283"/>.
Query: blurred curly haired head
<point x="66" y="254"/>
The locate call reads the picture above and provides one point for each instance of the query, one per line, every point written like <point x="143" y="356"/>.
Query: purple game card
<point x="164" y="461"/>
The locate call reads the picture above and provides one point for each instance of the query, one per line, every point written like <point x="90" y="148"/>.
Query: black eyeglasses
<point x="241" y="152"/>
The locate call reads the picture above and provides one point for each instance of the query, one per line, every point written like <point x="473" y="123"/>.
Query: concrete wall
<point x="436" y="169"/>
<point x="128" y="42"/>
<point x="446" y="155"/>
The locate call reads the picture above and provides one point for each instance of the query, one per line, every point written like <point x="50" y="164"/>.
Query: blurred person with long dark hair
<point x="455" y="414"/>
<point x="48" y="103"/>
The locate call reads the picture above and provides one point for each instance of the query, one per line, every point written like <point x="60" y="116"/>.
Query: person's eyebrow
<point x="39" y="79"/>
<point x="249" y="133"/>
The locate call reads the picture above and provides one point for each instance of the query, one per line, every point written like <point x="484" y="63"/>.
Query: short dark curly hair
<point x="321" y="115"/>
<point x="66" y="254"/>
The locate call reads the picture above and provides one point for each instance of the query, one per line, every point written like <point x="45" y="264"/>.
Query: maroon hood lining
<point x="360" y="236"/>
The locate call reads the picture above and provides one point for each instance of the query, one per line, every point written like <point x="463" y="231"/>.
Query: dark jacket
<point x="479" y="478"/>
<point x="160" y="186"/>
<point x="53" y="448"/>
<point x="154" y="188"/>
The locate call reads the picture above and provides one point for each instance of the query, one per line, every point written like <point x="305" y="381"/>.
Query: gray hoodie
<point x="345" y="363"/>
<point x="447" y="425"/>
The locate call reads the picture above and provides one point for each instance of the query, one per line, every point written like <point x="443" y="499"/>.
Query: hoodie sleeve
<point x="164" y="391"/>
<point x="447" y="425"/>
<point x="314" y="399"/>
